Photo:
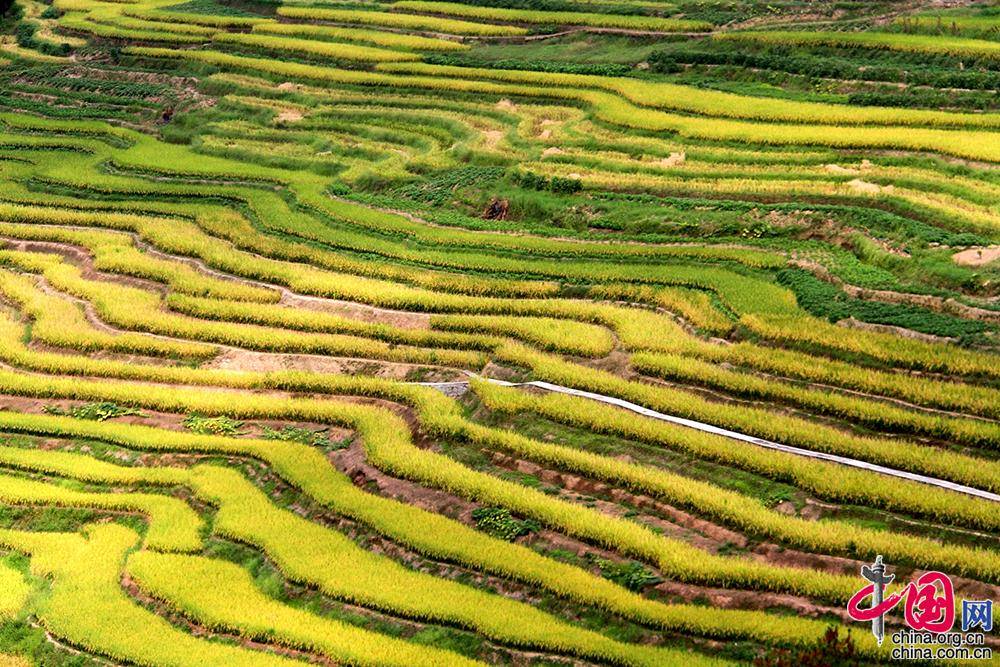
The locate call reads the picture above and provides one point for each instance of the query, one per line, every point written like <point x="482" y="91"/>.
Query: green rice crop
<point x="927" y="44"/>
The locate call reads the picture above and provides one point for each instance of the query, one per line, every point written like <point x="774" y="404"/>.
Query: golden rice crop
<point x="14" y="592"/>
<point x="762" y="423"/>
<point x="429" y="533"/>
<point x="879" y="347"/>
<point x="212" y="20"/>
<point x="313" y="554"/>
<point x="134" y="309"/>
<point x="308" y="47"/>
<point x="547" y="333"/>
<point x="612" y="108"/>
<point x="173" y="526"/>
<point x="59" y="322"/>
<point x="823" y="479"/>
<point x="744" y="513"/>
<point x="873" y="413"/>
<point x="689" y="99"/>
<point x="628" y="22"/>
<point x="388" y="446"/>
<point x="86" y="605"/>
<point x="397" y="20"/>
<point x="221" y="595"/>
<point x="390" y="40"/>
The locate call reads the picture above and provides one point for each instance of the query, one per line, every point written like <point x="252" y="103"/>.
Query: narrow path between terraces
<point x="453" y="388"/>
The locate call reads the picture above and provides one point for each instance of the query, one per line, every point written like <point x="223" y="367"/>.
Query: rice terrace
<point x="426" y="333"/>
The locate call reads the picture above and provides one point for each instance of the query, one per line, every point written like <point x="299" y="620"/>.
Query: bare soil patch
<point x="977" y="256"/>
<point x="232" y="359"/>
<point x="357" y="311"/>
<point x="673" y="160"/>
<point x="851" y="323"/>
<point x="491" y="138"/>
<point x="289" y="116"/>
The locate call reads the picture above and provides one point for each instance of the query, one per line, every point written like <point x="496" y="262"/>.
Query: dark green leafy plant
<point x="94" y="411"/>
<point x="302" y="435"/>
<point x="213" y="425"/>
<point x="557" y="184"/>
<point x="823" y="299"/>
<point x="498" y="522"/>
<point x="632" y="575"/>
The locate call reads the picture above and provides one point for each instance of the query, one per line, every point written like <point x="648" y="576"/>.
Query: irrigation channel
<point x="459" y="387"/>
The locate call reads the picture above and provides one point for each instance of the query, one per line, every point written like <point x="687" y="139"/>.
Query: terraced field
<point x="556" y="332"/>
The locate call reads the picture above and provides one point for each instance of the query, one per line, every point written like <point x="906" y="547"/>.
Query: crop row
<point x="883" y="348"/>
<point x="397" y="20"/>
<point x="431" y="534"/>
<point x="316" y="555"/>
<point x="566" y="336"/>
<point x="915" y="353"/>
<point x="762" y="423"/>
<point x="929" y="44"/>
<point x="741" y="292"/>
<point x="689" y="99"/>
<point x="377" y="37"/>
<point x="244" y="239"/>
<point x="400" y="457"/>
<point x="817" y="477"/>
<point x="615" y="110"/>
<point x="952" y="211"/>
<point x="87" y="607"/>
<point x="871" y="413"/>
<point x="222" y="596"/>
<point x="824" y="479"/>
<point x="738" y="291"/>
<point x="191" y="18"/>
<point x="112" y="18"/>
<point x="734" y="509"/>
<point x="173" y="526"/>
<point x="932" y="195"/>
<point x="83" y="24"/>
<point x="247" y="515"/>
<point x="834" y="483"/>
<point x="60" y="323"/>
<point x="309" y="47"/>
<point x="138" y="310"/>
<point x="485" y="13"/>
<point x="388" y="446"/>
<point x="116" y="253"/>
<point x="924" y="391"/>
<point x="390" y="40"/>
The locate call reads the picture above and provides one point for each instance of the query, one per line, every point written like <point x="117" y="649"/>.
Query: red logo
<point x="926" y="608"/>
<point x="929" y="606"/>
